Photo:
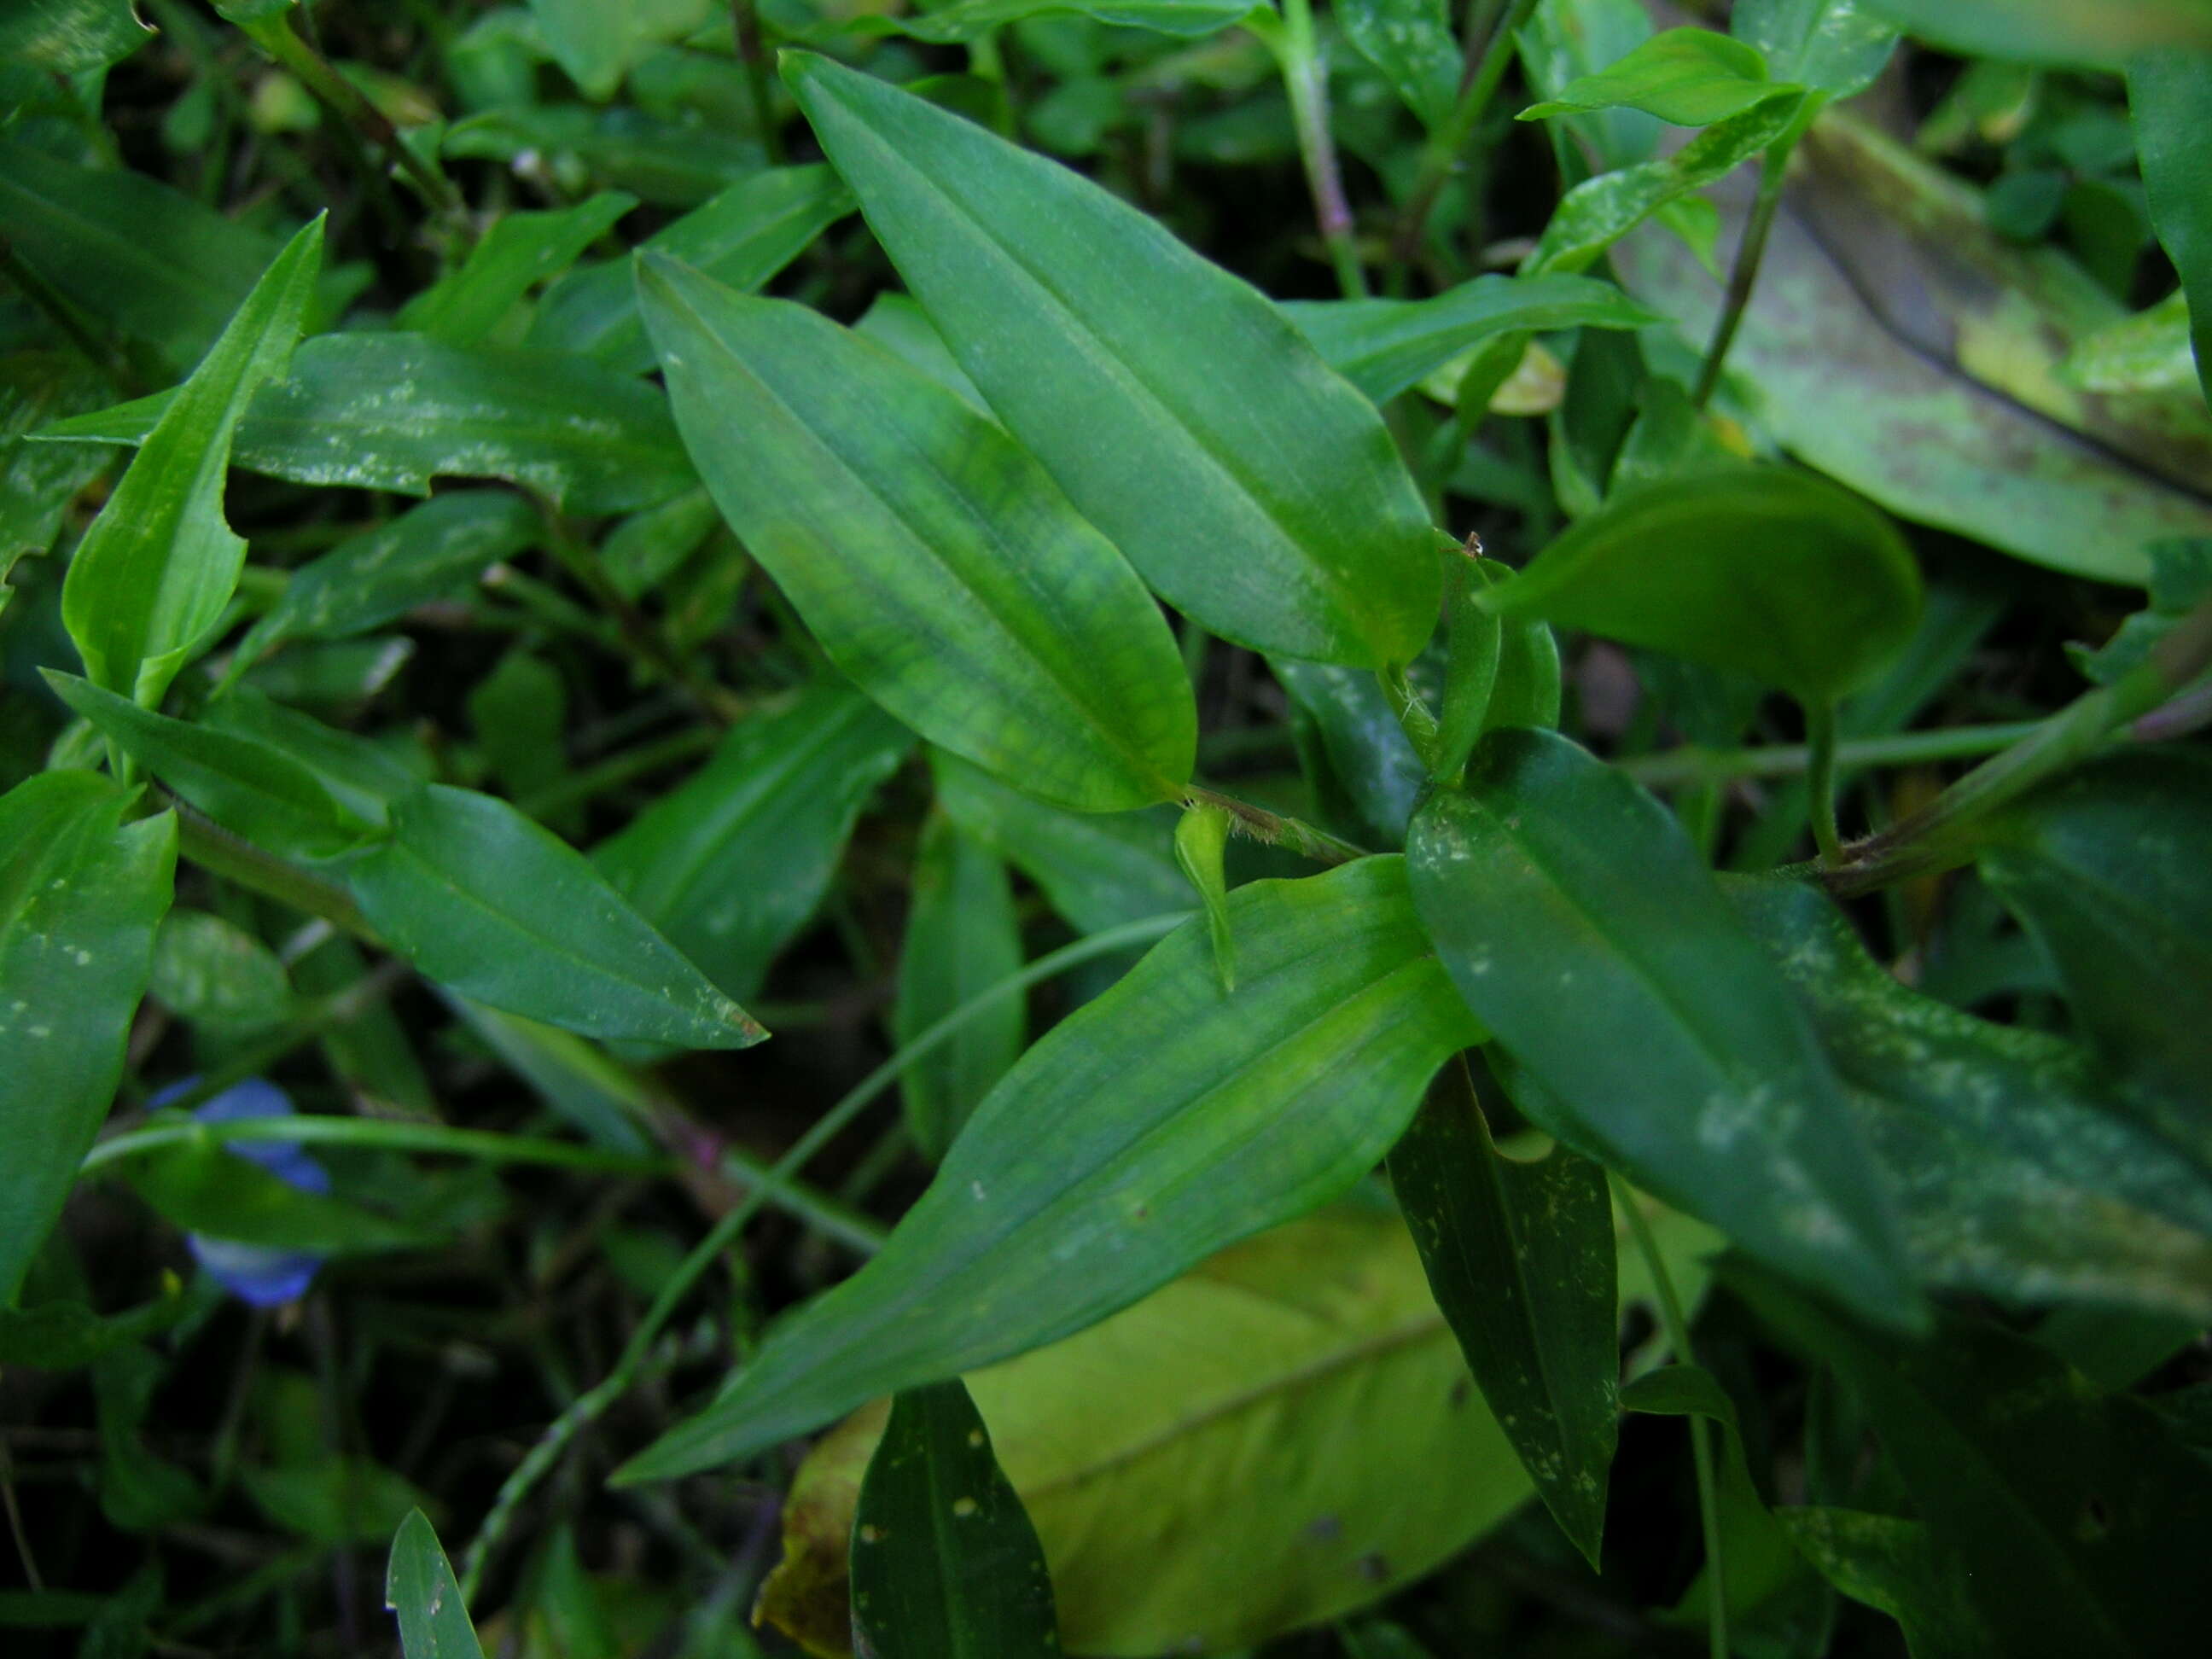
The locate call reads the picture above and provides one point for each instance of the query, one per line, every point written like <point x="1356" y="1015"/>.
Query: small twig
<point x="1691" y="764"/>
<point x="214" y="849"/>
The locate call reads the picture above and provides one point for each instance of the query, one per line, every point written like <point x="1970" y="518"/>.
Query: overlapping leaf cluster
<point x="1000" y="561"/>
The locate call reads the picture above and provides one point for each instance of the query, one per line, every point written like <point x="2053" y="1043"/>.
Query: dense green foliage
<point x="1459" y="758"/>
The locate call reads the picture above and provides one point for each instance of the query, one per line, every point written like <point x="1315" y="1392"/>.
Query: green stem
<point x="273" y="34"/>
<point x="752" y="52"/>
<point x="1773" y="166"/>
<point x="618" y="769"/>
<point x="216" y="850"/>
<point x="590" y="1406"/>
<point x="1690" y="764"/>
<point x="1677" y="1329"/>
<point x="1449" y="144"/>
<point x="1821" y="776"/>
<point x="1278" y="829"/>
<point x="1305" y="78"/>
<point x="378" y="1134"/>
<point x="1931" y="839"/>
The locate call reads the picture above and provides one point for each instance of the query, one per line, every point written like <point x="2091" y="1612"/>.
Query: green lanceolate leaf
<point x="1384" y="346"/>
<point x="69" y="37"/>
<point x="1475" y="641"/>
<point x="1689" y="77"/>
<point x="962" y="937"/>
<point x="362" y="776"/>
<point x="1768" y="572"/>
<point x="945" y="1563"/>
<point x="1202" y="838"/>
<point x="392" y="411"/>
<point x="81" y="894"/>
<point x="1156" y="1125"/>
<point x="1181" y="412"/>
<point x="1887" y="1563"/>
<point x="154" y="571"/>
<point x="1832" y="48"/>
<point x="1583" y="930"/>
<point x="2056" y="32"/>
<point x="731" y="864"/>
<point x="520" y="251"/>
<point x="1098" y="870"/>
<point x="369" y="580"/>
<point x="2074" y="1520"/>
<point x="1412" y="46"/>
<point x="2170" y="95"/>
<point x="2105" y="868"/>
<point x="741" y="238"/>
<point x="935" y="562"/>
<point x="483" y="900"/>
<point x="1520" y="1256"/>
<point x="248" y="786"/>
<point x="2017" y="1171"/>
<point x="142" y="261"/>
<point x="971" y="20"/>
<point x="1599" y="211"/>
<point x="420" y="1588"/>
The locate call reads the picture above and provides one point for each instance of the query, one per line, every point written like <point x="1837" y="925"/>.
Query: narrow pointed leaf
<point x="1556" y="883"/>
<point x="1887" y="1563"/>
<point x="971" y="20"/>
<point x="731" y="864"/>
<point x="69" y="37"/>
<point x="154" y="571"/>
<point x="420" y="1588"/>
<point x="935" y="562"/>
<point x="394" y="411"/>
<point x="369" y="580"/>
<point x="1834" y="48"/>
<point x="205" y="1188"/>
<point x="1520" y="1256"/>
<point x="81" y="894"/>
<point x="1156" y="1125"/>
<point x="483" y="900"/>
<point x="2170" y="95"/>
<point x="250" y="787"/>
<point x="2106" y="868"/>
<point x="520" y="251"/>
<point x="1690" y="77"/>
<point x="1202" y="838"/>
<point x="1599" y="211"/>
<point x="1774" y="574"/>
<point x="2075" y="1520"/>
<point x="1181" y="412"/>
<point x="144" y="261"/>
<point x="741" y="238"/>
<point x="945" y="1563"/>
<point x="962" y="936"/>
<point x="1412" y="46"/>
<point x="2066" y="33"/>
<point x="2017" y="1172"/>
<point x="1384" y="346"/>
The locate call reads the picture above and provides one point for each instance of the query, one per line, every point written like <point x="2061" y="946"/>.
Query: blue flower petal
<point x="257" y="1274"/>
